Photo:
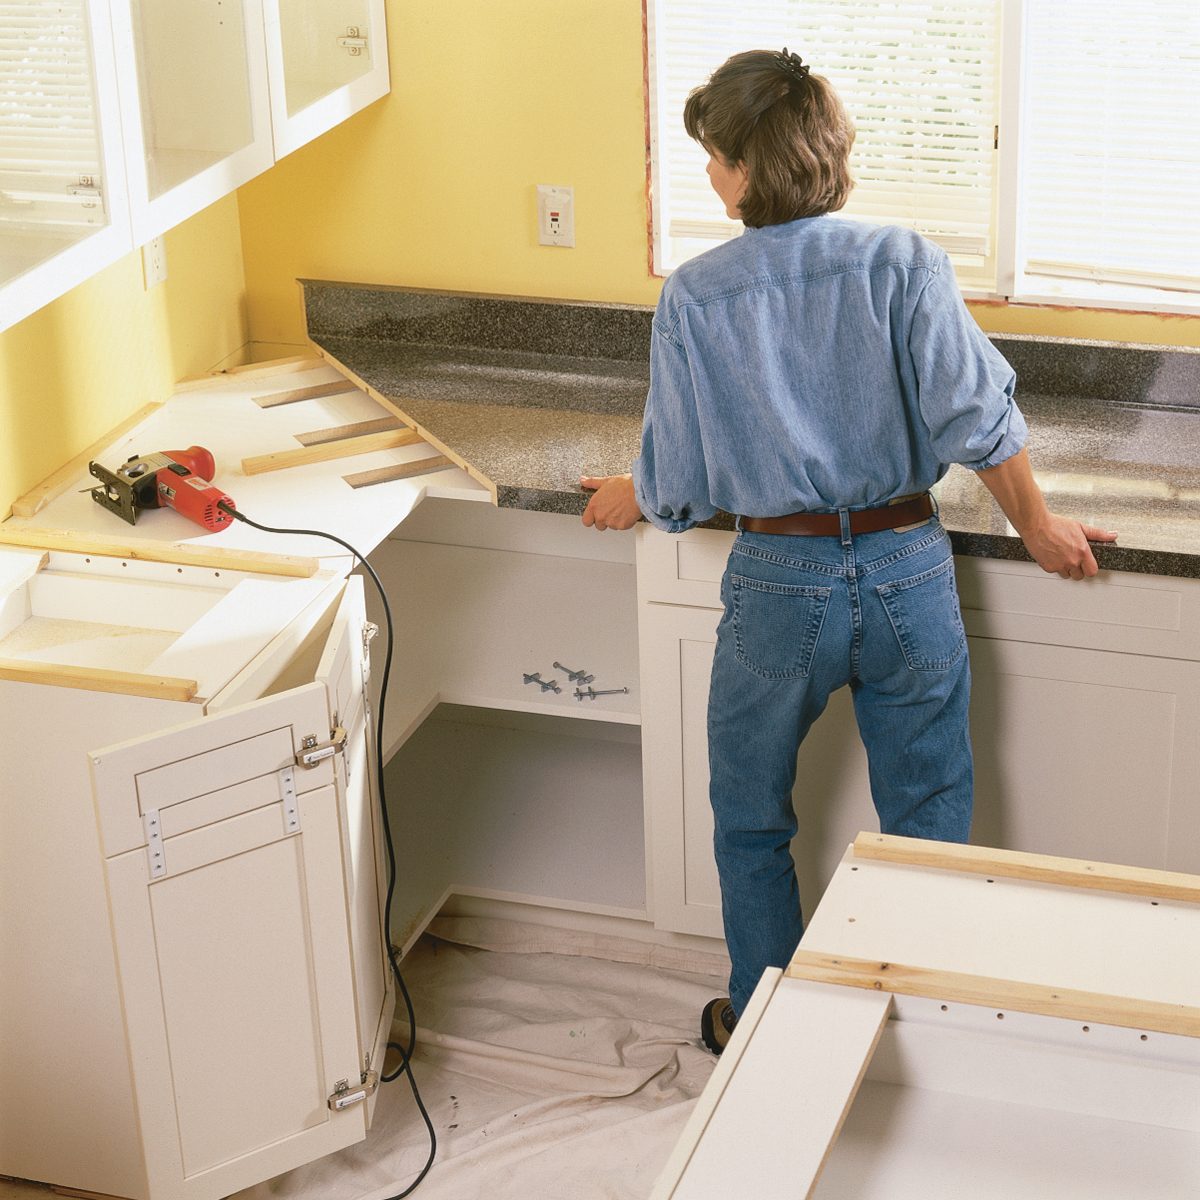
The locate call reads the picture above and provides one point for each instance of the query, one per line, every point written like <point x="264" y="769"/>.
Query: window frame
<point x="1013" y="285"/>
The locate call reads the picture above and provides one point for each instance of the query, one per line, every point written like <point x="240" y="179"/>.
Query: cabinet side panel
<point x="61" y="1026"/>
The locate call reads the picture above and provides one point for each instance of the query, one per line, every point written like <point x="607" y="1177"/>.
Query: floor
<point x="556" y="1075"/>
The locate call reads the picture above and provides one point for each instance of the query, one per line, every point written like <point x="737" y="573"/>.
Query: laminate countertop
<point x="532" y="394"/>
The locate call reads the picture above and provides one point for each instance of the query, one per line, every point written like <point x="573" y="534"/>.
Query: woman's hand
<point x="614" y="505"/>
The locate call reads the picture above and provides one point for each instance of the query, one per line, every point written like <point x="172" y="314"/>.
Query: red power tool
<point x="176" y="478"/>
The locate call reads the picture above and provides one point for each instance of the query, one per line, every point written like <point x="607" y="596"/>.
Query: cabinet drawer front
<point x="684" y="568"/>
<point x="1127" y="613"/>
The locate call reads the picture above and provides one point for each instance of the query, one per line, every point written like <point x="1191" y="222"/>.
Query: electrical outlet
<point x="154" y="262"/>
<point x="556" y="215"/>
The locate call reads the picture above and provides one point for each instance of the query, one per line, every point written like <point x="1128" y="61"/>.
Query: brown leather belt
<point x="862" y="520"/>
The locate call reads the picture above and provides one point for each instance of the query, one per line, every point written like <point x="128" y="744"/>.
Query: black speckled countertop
<point x="534" y="393"/>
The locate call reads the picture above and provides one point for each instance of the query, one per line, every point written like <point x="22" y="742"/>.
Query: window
<point x="1052" y="147"/>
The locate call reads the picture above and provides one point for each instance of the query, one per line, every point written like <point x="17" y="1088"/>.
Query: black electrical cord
<point x="405" y="1067"/>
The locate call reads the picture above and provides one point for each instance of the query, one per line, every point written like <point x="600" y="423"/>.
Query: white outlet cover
<point x="154" y="262"/>
<point x="556" y="215"/>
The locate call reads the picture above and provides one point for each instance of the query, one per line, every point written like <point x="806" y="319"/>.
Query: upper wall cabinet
<point x="194" y="105"/>
<point x="327" y="60"/>
<point x="121" y="118"/>
<point x="64" y="212"/>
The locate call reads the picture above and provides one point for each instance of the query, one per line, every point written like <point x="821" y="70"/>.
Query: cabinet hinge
<point x="287" y="797"/>
<point x="313" y="752"/>
<point x="344" y="1096"/>
<point x="353" y="43"/>
<point x="154" y="843"/>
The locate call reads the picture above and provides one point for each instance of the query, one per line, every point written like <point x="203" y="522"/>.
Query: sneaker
<point x="717" y="1023"/>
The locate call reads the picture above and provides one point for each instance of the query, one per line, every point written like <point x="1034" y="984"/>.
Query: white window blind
<point x="919" y="80"/>
<point x="1111" y="141"/>
<point x="49" y="144"/>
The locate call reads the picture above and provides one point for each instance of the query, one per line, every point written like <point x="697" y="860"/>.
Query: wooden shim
<point x="54" y="485"/>
<point x="274" y="366"/>
<point x="422" y="466"/>
<point x="279" y="366"/>
<point x="208" y="557"/>
<point x="1038" y="868"/>
<point x="96" y="679"/>
<point x="394" y="406"/>
<point x="274" y="399"/>
<point x="999" y="994"/>
<point x="318" y="437"/>
<point x="281" y="460"/>
<point x="77" y="1194"/>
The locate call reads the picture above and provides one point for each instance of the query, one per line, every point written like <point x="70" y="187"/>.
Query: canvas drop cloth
<point x="549" y="1074"/>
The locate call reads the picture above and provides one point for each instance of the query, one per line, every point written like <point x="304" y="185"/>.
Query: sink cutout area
<point x="51" y="618"/>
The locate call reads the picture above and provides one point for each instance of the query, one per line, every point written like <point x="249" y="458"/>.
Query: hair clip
<point x="791" y="64"/>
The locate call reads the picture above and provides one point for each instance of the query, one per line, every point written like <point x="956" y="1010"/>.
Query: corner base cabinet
<point x="194" y="975"/>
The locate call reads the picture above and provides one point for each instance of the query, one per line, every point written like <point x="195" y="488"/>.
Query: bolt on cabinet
<point x="195" y="981"/>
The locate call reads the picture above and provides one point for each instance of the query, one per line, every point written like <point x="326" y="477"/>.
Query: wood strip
<point x="55" y="484"/>
<point x="318" y="437"/>
<point x="1038" y="868"/>
<point x="317" y="390"/>
<point x="281" y="460"/>
<point x="96" y="679"/>
<point x="209" y="557"/>
<point x="274" y="366"/>
<point x="77" y="1194"/>
<point x="1000" y="994"/>
<point x="396" y="406"/>
<point x="280" y="366"/>
<point x="422" y="466"/>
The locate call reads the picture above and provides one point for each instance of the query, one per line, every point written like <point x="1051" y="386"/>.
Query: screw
<point x="549" y="685"/>
<point x="536" y="677"/>
<point x="575" y="676"/>
<point x="591" y="693"/>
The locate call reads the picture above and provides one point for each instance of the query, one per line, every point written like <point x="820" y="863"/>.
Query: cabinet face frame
<point x="151" y="216"/>
<point x="45" y="281"/>
<point x="293" y="130"/>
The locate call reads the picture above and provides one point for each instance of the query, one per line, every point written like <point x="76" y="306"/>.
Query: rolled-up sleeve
<point x="669" y="476"/>
<point x="965" y="386"/>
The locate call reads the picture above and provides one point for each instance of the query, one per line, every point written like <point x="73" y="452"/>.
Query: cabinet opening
<point x="517" y="806"/>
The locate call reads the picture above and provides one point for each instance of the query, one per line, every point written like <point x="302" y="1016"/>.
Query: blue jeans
<point x="803" y="617"/>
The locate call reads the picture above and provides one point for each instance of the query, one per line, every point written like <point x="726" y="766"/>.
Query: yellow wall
<point x="85" y="362"/>
<point x="433" y="186"/>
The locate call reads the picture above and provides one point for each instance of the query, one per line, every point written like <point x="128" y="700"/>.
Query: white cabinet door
<point x="1080" y="753"/>
<point x="228" y="903"/>
<point x="1086" y="754"/>
<point x="345" y="671"/>
<point x="327" y="59"/>
<point x="832" y="794"/>
<point x="64" y="212"/>
<point x="194" y="104"/>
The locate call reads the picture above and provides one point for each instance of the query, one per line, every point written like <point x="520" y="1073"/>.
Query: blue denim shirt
<point x="816" y="365"/>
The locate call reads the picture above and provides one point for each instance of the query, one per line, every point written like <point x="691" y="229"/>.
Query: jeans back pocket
<point x="776" y="625"/>
<point x="924" y="613"/>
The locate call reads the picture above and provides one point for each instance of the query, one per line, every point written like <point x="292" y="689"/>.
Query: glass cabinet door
<point x="194" y="100"/>
<point x="328" y="59"/>
<point x="63" y="211"/>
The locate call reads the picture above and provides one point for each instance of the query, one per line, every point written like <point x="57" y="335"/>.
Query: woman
<point x="817" y="376"/>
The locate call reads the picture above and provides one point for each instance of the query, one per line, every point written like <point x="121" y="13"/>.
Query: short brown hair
<point x="764" y="109"/>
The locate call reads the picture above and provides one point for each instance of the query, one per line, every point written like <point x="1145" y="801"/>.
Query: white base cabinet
<point x="193" y="959"/>
<point x="1085" y="720"/>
